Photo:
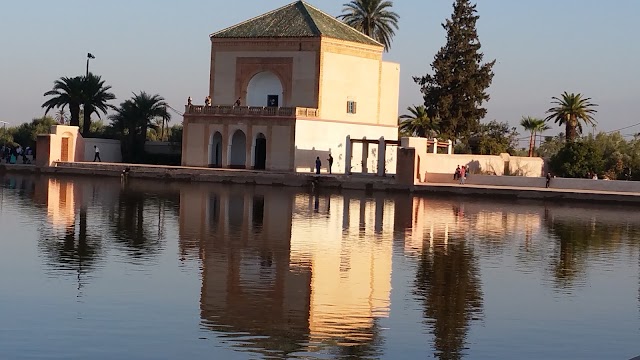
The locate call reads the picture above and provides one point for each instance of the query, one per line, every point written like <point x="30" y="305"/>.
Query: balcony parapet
<point x="227" y="110"/>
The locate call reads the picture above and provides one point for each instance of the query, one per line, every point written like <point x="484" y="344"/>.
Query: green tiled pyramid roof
<point x="295" y="20"/>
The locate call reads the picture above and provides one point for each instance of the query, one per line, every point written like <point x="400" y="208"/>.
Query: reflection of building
<point x="321" y="275"/>
<point x="438" y="221"/>
<point x="304" y="82"/>
<point x="62" y="199"/>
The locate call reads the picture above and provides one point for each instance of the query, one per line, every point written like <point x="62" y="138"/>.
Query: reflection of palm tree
<point x="70" y="253"/>
<point x="576" y="239"/>
<point x="129" y="226"/>
<point x="449" y="284"/>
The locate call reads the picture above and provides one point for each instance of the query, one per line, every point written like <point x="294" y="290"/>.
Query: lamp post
<point x="89" y="56"/>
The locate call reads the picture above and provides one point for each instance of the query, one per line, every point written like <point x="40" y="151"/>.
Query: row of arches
<point x="237" y="151"/>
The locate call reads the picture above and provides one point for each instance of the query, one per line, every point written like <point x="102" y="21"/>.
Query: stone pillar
<point x="435" y="146"/>
<point x="382" y="156"/>
<point x="347" y="155"/>
<point x="450" y="149"/>
<point x="365" y="156"/>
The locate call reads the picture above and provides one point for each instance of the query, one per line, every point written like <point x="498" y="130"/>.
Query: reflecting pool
<point x="97" y="269"/>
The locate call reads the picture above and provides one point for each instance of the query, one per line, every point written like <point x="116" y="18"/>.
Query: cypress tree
<point x="455" y="92"/>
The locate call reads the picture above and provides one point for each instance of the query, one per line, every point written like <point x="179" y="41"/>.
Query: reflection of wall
<point x="437" y="221"/>
<point x="348" y="247"/>
<point x="322" y="274"/>
<point x="62" y="199"/>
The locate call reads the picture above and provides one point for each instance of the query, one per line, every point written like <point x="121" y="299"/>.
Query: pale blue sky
<point x="543" y="48"/>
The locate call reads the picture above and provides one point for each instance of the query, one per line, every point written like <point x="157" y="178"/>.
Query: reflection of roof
<point x="297" y="19"/>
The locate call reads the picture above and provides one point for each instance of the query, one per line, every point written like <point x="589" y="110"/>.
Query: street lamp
<point x="89" y="56"/>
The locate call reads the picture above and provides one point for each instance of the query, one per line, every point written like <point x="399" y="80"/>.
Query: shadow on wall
<point x="306" y="160"/>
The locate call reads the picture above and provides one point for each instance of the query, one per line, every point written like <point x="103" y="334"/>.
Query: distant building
<point x="305" y="81"/>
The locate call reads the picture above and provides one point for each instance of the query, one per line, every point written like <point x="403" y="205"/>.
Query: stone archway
<point x="260" y="152"/>
<point x="238" y="150"/>
<point x="215" y="150"/>
<point x="265" y="89"/>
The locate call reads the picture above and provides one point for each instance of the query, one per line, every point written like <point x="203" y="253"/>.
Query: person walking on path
<point x="318" y="165"/>
<point x="97" y="154"/>
<point x="548" y="179"/>
<point x="330" y="160"/>
<point x="456" y="174"/>
<point x="463" y="175"/>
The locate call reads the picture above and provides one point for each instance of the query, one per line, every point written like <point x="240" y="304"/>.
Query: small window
<point x="351" y="107"/>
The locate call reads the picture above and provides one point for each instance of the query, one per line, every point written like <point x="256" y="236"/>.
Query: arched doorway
<point x="238" y="150"/>
<point x="260" y="152"/>
<point x="215" y="150"/>
<point x="265" y="89"/>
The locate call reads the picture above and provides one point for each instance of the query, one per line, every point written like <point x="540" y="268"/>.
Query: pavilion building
<point x="290" y="86"/>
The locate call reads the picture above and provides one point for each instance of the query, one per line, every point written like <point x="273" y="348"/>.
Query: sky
<point x="542" y="48"/>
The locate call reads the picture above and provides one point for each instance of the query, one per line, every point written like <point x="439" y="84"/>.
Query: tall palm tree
<point x="373" y="18"/>
<point x="534" y="126"/>
<point x="133" y="118"/>
<point x="569" y="111"/>
<point x="66" y="92"/>
<point x="418" y="123"/>
<point x="94" y="99"/>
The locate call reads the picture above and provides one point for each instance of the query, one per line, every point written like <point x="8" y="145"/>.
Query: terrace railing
<point x="250" y="111"/>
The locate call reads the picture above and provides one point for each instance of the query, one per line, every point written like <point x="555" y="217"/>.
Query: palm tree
<point x="66" y="92"/>
<point x="569" y="111"/>
<point x="95" y="96"/>
<point x="133" y="118"/>
<point x="533" y="125"/>
<point x="61" y="116"/>
<point x="418" y="123"/>
<point x="373" y="18"/>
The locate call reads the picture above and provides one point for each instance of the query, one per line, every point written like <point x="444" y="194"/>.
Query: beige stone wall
<point x="228" y="79"/>
<point x="349" y="78"/>
<point x="320" y="137"/>
<point x="389" y="93"/>
<point x="59" y="135"/>
<point x="427" y="163"/>
<point x="199" y="131"/>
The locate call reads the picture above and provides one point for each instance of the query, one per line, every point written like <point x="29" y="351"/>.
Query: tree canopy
<point x="571" y="110"/>
<point x="455" y="92"/>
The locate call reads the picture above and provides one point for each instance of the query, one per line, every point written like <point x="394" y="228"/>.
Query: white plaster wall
<point x="304" y="80"/>
<point x="349" y="78"/>
<point x="390" y="92"/>
<point x="319" y="138"/>
<point x="261" y="85"/>
<point x="109" y="150"/>
<point x="429" y="163"/>
<point x="279" y="153"/>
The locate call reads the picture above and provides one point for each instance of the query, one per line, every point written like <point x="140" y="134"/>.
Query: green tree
<point x="373" y="18"/>
<point x="132" y="120"/>
<point x="534" y="126"/>
<point x="577" y="159"/>
<point x="26" y="134"/>
<point x="456" y="91"/>
<point x="95" y="96"/>
<point x="494" y="138"/>
<point x="418" y="123"/>
<point x="66" y="92"/>
<point x="571" y="110"/>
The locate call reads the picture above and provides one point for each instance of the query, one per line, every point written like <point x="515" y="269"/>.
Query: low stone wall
<point x="504" y="164"/>
<point x="109" y="149"/>
<point x="539" y="182"/>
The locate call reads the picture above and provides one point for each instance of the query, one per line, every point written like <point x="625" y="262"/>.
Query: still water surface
<point x="91" y="269"/>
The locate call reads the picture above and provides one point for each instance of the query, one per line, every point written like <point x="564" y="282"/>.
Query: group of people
<point x="16" y="154"/>
<point x="319" y="164"/>
<point x="207" y="101"/>
<point x="461" y="173"/>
